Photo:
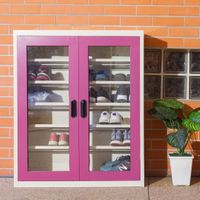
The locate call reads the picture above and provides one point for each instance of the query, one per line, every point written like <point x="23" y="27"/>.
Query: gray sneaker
<point x="116" y="138"/>
<point x="126" y="137"/>
<point x="122" y="94"/>
<point x="119" y="77"/>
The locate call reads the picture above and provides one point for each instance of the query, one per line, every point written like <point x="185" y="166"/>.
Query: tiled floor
<point x="155" y="189"/>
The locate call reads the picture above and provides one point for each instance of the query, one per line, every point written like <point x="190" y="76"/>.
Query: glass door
<point x="48" y="94"/>
<point x="109" y="104"/>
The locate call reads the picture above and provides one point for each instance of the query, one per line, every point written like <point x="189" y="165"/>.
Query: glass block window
<point x="172" y="73"/>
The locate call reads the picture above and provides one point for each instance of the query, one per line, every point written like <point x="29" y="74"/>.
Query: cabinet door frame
<point x="135" y="106"/>
<point x="22" y="171"/>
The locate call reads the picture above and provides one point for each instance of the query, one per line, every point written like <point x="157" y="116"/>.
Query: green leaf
<point x="177" y="139"/>
<point x="190" y="125"/>
<point x="170" y="103"/>
<point x="166" y="113"/>
<point x="174" y="124"/>
<point x="195" y="115"/>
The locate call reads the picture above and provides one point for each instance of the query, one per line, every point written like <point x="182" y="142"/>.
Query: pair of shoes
<point x="120" y="164"/>
<point x="113" y="118"/>
<point x="123" y="94"/>
<point x="100" y="95"/>
<point x="56" y="139"/>
<point x="101" y="75"/>
<point x="40" y="73"/>
<point x="120" y="138"/>
<point x="121" y="77"/>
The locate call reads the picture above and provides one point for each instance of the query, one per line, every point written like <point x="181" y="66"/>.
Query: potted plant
<point x="181" y="127"/>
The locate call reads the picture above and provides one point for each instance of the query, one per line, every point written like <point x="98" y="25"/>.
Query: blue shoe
<point x="103" y="75"/>
<point x="126" y="136"/>
<point x="116" y="138"/>
<point x="92" y="75"/>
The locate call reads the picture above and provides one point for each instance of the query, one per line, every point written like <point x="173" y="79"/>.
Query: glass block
<point x="174" y="87"/>
<point x="195" y="62"/>
<point x="152" y="87"/>
<point x="152" y="61"/>
<point x="194" y="87"/>
<point x="175" y="62"/>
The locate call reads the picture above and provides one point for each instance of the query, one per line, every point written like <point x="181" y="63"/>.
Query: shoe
<point x="119" y="77"/>
<point x="43" y="73"/>
<point x="62" y="139"/>
<point x="102" y="95"/>
<point x="122" y="94"/>
<point x="126" y="137"/>
<point x="116" y="138"/>
<point x="53" y="139"/>
<point x="104" y="118"/>
<point x="128" y="77"/>
<point x="102" y="75"/>
<point x="92" y="75"/>
<point x="116" y="118"/>
<point x="120" y="164"/>
<point x="32" y="73"/>
<point x="93" y="95"/>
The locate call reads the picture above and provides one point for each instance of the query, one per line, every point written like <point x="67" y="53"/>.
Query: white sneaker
<point x="104" y="118"/>
<point x="116" y="118"/>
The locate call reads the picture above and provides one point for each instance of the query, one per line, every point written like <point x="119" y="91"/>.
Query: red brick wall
<point x="167" y="23"/>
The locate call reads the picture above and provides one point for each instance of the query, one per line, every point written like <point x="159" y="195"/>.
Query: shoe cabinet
<point x="78" y="108"/>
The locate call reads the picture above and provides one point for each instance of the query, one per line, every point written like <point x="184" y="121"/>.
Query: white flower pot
<point x="181" y="169"/>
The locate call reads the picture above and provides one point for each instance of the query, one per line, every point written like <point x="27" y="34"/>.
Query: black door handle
<point x="73" y="108"/>
<point x="83" y="108"/>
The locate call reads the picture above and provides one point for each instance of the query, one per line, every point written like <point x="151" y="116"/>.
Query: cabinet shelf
<point x="110" y="104"/>
<point x="109" y="148"/>
<point x="48" y="126"/>
<point x="48" y="105"/>
<point x="48" y="148"/>
<point x="110" y="83"/>
<point x="53" y="59"/>
<point x="110" y="126"/>
<point x="113" y="59"/>
<point x="50" y="82"/>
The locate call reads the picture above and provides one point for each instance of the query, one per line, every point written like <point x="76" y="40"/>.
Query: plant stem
<point x="188" y="139"/>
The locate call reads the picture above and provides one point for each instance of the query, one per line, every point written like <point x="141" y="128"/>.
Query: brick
<point x="157" y="124"/>
<point x="55" y="9"/>
<point x="6" y="142"/>
<point x="135" y="2"/>
<point x="191" y="21"/>
<point x="87" y="28"/>
<point x="23" y="27"/>
<point x="4" y="9"/>
<point x="4" y="172"/>
<point x="168" y="21"/>
<point x="184" y="11"/>
<point x="11" y="112"/>
<point x="168" y="2"/>
<point x="156" y="154"/>
<point x="157" y="173"/>
<point x="4" y="132"/>
<point x="4" y="29"/>
<point x="191" y="43"/>
<point x="4" y="91"/>
<point x="39" y="19"/>
<point x="120" y="10"/>
<point x="55" y="27"/>
<point x="4" y="50"/>
<point x="154" y="31"/>
<point x="87" y="10"/>
<point x="183" y="32"/>
<point x="40" y="1"/>
<point x="155" y="134"/>
<point x="159" y="164"/>
<point x="72" y="20"/>
<point x="6" y="81"/>
<point x="6" y="163"/>
<point x="25" y="9"/>
<point x="6" y="101"/>
<point x="120" y="28"/>
<point x="152" y="10"/>
<point x="4" y="70"/>
<point x="136" y="21"/>
<point x="159" y="144"/>
<point x="104" y="20"/>
<point x="6" y="122"/>
<point x="168" y="42"/>
<point x="11" y="172"/>
<point x="192" y="2"/>
<point x="6" y="19"/>
<point x="147" y="124"/>
<point x="4" y="153"/>
<point x="6" y="40"/>
<point x="104" y="2"/>
<point x="11" y="153"/>
<point x="147" y="144"/>
<point x="4" y="111"/>
<point x="72" y="1"/>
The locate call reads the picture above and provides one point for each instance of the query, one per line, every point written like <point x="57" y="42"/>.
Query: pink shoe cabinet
<point x="64" y="80"/>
